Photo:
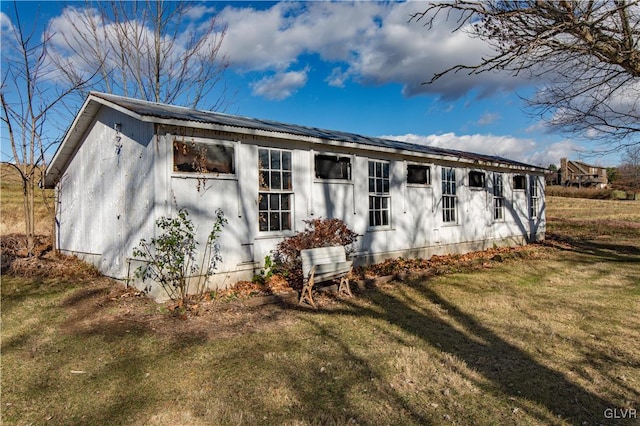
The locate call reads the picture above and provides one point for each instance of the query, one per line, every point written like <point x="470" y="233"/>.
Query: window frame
<point x="498" y="197"/>
<point x="338" y="157"/>
<point x="427" y="167"/>
<point x="379" y="193"/>
<point x="270" y="194"/>
<point x="205" y="174"/>
<point x="483" y="176"/>
<point x="534" y="196"/>
<point x="522" y="179"/>
<point x="449" y="196"/>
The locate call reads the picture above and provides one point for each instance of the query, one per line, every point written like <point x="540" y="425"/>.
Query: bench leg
<point x="306" y="295"/>
<point x="344" y="287"/>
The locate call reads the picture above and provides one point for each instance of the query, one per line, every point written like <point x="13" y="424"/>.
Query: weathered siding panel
<point x="106" y="192"/>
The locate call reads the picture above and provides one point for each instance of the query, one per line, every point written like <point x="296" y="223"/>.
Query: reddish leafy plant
<point x="321" y="232"/>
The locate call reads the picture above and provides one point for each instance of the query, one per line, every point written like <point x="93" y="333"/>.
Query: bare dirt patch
<point x="105" y="306"/>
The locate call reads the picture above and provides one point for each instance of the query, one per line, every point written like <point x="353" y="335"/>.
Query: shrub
<point x="589" y="193"/>
<point x="322" y="232"/>
<point x="170" y="259"/>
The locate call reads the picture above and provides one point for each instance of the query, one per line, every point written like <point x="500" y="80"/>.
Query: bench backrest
<point x="321" y="256"/>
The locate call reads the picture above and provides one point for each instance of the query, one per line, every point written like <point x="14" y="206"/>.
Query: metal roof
<point x="156" y="112"/>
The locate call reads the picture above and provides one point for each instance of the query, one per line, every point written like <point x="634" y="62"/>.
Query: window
<point x="201" y="157"/>
<point x="519" y="182"/>
<point x="476" y="179"/>
<point x="448" y="194"/>
<point x="333" y="167"/>
<point x="418" y="174"/>
<point x="533" y="197"/>
<point x="378" y="193"/>
<point x="498" y="197"/>
<point x="275" y="196"/>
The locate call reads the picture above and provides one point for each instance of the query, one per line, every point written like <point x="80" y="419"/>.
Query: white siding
<point x="106" y="194"/>
<point x="110" y="198"/>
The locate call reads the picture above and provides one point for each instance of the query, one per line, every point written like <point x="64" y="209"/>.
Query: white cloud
<point x="503" y="146"/>
<point x="551" y="154"/>
<point x="372" y="42"/>
<point x="281" y="85"/>
<point x="518" y="149"/>
<point x="6" y="25"/>
<point x="488" y="118"/>
<point x="199" y="11"/>
<point x="337" y="78"/>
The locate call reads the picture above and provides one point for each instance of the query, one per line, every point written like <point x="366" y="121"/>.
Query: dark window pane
<point x="385" y="217"/>
<point x="285" y="202"/>
<point x="286" y="220"/>
<point x="372" y="185"/>
<point x="286" y="160"/>
<point x="263" y="158"/>
<point x="332" y="167"/>
<point x="519" y="182"/>
<point x="286" y="180"/>
<point x="385" y="170"/>
<point x="385" y="186"/>
<point x="264" y="180"/>
<point x="378" y="169"/>
<point x="371" y="218"/>
<point x="263" y="203"/>
<point x="196" y="157"/>
<point x="476" y="179"/>
<point x="418" y="174"/>
<point x="274" y="202"/>
<point x="262" y="219"/>
<point x="276" y="181"/>
<point x="371" y="169"/>
<point x="274" y="221"/>
<point x="275" y="160"/>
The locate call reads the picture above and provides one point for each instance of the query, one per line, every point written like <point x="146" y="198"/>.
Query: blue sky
<point x="359" y="67"/>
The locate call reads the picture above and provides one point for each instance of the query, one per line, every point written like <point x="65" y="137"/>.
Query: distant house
<point x="582" y="175"/>
<point x="124" y="163"/>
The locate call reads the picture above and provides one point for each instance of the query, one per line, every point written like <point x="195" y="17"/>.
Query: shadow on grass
<point x="611" y="252"/>
<point x="512" y="372"/>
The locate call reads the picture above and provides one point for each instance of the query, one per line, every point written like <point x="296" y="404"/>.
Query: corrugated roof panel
<point x="163" y="111"/>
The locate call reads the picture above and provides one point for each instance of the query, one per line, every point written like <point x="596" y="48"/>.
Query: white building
<point x="124" y="163"/>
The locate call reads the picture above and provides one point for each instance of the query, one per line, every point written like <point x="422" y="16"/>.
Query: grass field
<point x="550" y="336"/>
<point x="12" y="210"/>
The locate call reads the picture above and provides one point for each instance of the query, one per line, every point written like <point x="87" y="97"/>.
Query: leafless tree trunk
<point x="586" y="53"/>
<point x="149" y="50"/>
<point x="27" y="96"/>
<point x="629" y="170"/>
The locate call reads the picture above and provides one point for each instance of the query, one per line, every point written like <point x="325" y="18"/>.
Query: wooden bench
<point x="324" y="264"/>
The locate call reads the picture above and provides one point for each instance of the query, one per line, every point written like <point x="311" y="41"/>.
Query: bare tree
<point x="28" y="96"/>
<point x="150" y="50"/>
<point x="587" y="53"/>
<point x="629" y="170"/>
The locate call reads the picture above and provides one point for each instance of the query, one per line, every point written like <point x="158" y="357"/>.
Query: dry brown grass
<point x="546" y="337"/>
<point x="12" y="209"/>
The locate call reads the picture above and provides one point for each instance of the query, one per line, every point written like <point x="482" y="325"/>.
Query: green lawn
<point x="551" y="336"/>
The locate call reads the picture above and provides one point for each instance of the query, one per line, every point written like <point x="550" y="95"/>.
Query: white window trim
<point x="456" y="208"/>
<point x="280" y="232"/>
<point x="386" y="195"/>
<point x="476" y="188"/>
<point x="316" y="179"/>
<point x="418" y="185"/>
<point x="201" y="175"/>
<point x="494" y="197"/>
